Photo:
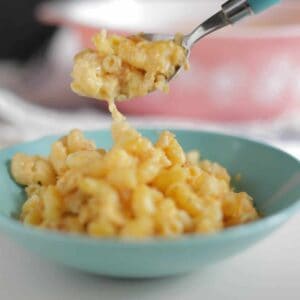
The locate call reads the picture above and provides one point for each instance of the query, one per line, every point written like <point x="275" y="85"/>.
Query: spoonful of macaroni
<point x="120" y="68"/>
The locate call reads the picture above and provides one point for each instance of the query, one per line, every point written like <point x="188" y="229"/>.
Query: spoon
<point x="232" y="11"/>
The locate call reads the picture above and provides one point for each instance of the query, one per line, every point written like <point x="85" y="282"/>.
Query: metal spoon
<point x="232" y="11"/>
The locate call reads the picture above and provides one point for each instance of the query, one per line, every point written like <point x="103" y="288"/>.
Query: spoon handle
<point x="258" y="6"/>
<point x="235" y="10"/>
<point x="232" y="12"/>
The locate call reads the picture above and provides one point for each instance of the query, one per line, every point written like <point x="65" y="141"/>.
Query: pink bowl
<point x="249" y="72"/>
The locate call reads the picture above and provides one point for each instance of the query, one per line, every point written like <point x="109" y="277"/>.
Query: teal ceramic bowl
<point x="272" y="177"/>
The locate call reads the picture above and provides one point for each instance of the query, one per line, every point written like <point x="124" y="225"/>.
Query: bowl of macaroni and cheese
<point x="144" y="203"/>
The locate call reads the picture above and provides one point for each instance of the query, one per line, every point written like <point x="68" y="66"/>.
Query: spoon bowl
<point x="168" y="37"/>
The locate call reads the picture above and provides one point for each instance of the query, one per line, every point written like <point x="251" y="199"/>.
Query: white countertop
<point x="269" y="270"/>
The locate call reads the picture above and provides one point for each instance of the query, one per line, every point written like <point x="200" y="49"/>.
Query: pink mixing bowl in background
<point x="247" y="72"/>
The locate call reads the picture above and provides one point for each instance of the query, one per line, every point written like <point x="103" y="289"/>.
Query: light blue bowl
<point x="269" y="175"/>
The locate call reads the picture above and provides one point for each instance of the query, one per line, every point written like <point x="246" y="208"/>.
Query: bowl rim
<point x="269" y="222"/>
<point x="53" y="13"/>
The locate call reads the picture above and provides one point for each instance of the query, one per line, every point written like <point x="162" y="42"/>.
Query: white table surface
<point x="269" y="270"/>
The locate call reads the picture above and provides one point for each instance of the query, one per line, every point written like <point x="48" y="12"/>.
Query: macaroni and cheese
<point x="121" y="68"/>
<point x="136" y="189"/>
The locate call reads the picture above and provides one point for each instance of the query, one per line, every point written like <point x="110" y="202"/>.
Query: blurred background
<point x="244" y="80"/>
